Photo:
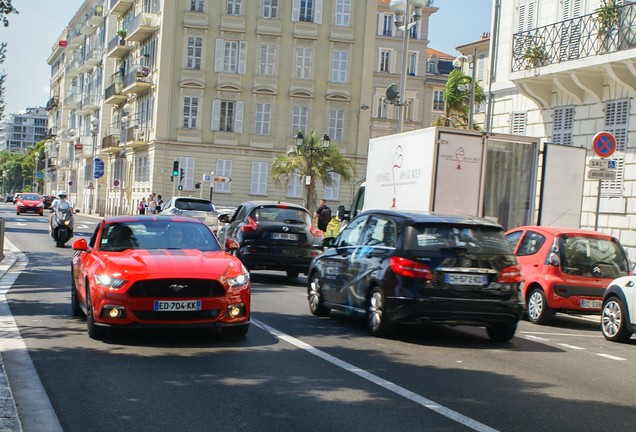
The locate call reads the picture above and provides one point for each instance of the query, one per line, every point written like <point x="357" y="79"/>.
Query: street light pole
<point x="302" y="147"/>
<point x="459" y="63"/>
<point x="402" y="11"/>
<point x="94" y="197"/>
<point x="123" y="156"/>
<point x="35" y="174"/>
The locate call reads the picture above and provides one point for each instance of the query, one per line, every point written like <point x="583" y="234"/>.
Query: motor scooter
<point x="61" y="224"/>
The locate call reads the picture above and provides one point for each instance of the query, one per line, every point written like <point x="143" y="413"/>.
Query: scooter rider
<point x="61" y="197"/>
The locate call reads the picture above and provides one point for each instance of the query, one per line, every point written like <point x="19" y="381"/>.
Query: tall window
<point x="339" y="66"/>
<point x="343" y="13"/>
<point x="438" y="100"/>
<point x="258" y="183"/>
<point x="306" y="10"/>
<point x="336" y="124"/>
<point x="617" y="121"/>
<point x="223" y="169"/>
<point x="525" y="15"/>
<point x="332" y="192"/>
<point x="412" y="64"/>
<point x="382" y="107"/>
<point x="270" y="8"/>
<point x="227" y="116"/>
<point x="233" y="7"/>
<point x="386" y="25"/>
<point x="230" y="56"/>
<point x="562" y="125"/>
<point x="268" y="59"/>
<point x="304" y="57"/>
<point x="190" y="112"/>
<point x="197" y="5"/>
<point x="299" y="119"/>
<point x="385" y="61"/>
<point x="195" y="48"/>
<point x="481" y="62"/>
<point x="294" y="186"/>
<point x="518" y="123"/>
<point x="142" y="169"/>
<point x="263" y="118"/>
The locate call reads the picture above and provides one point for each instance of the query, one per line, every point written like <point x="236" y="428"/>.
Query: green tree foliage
<point x="318" y="164"/>
<point x="6" y="8"/>
<point x="20" y="167"/>
<point x="457" y="99"/>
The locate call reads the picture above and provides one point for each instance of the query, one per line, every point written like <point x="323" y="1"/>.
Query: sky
<point x="31" y="34"/>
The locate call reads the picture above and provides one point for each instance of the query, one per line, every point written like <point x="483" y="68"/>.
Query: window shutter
<point x="562" y="125"/>
<point x="617" y="121"/>
<point x="242" y="57"/>
<point x="295" y="10"/>
<point x="215" y="123"/>
<point x="219" y="54"/>
<point x="238" y="120"/>
<point x="518" y="123"/>
<point x="318" y="11"/>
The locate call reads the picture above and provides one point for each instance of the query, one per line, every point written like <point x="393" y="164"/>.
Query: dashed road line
<point x="401" y="391"/>
<point x="611" y="357"/>
<point x="574" y="347"/>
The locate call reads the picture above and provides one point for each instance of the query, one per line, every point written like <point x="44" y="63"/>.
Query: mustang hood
<point x="164" y="263"/>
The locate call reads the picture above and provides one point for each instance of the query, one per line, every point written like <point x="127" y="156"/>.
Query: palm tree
<point x="312" y="159"/>
<point x="457" y="98"/>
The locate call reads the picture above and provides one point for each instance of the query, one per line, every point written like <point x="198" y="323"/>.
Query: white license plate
<point x="174" y="306"/>
<point x="465" y="279"/>
<point x="590" y="304"/>
<point x="284" y="236"/>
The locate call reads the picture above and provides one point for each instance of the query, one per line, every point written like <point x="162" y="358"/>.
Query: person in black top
<point x="323" y="213"/>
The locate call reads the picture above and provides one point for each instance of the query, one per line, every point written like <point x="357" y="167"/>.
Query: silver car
<point x="198" y="208"/>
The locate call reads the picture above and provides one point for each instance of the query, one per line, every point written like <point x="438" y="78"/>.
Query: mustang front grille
<point x="176" y="288"/>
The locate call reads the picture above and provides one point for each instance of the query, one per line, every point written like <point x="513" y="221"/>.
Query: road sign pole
<point x="598" y="206"/>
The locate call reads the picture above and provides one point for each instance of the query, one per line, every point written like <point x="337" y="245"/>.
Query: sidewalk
<point x="9" y="420"/>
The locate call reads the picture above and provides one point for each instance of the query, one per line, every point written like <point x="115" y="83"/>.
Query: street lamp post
<point x="402" y="10"/>
<point x="459" y="63"/>
<point x="123" y="137"/>
<point x="35" y="174"/>
<point x="94" y="197"/>
<point x="307" y="148"/>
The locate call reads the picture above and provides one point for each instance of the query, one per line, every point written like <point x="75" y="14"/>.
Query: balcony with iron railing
<point x="72" y="100"/>
<point x="142" y="26"/>
<point x="118" y="7"/>
<point x="574" y="39"/>
<point x="138" y="80"/>
<point x="117" y="48"/>
<point x="114" y="93"/>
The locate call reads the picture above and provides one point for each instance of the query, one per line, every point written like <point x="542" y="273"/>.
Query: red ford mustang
<point x="158" y="271"/>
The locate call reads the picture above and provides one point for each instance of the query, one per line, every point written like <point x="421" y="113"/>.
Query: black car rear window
<point x="280" y="214"/>
<point x="186" y="204"/>
<point x="474" y="238"/>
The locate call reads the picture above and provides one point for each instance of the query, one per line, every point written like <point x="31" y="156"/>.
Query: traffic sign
<point x="604" y="144"/>
<point x="98" y="168"/>
<point x="116" y="183"/>
<point x="595" y="174"/>
<point x="602" y="164"/>
<point x="222" y="179"/>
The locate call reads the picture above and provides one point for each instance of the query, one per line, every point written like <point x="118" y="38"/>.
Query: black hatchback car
<point x="274" y="236"/>
<point x="405" y="267"/>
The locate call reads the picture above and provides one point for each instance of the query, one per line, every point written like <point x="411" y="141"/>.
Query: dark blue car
<point x="405" y="267"/>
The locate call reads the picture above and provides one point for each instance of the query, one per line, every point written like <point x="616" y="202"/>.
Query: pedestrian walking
<point x="142" y="206"/>
<point x="323" y="213"/>
<point x="159" y="203"/>
<point x="152" y="204"/>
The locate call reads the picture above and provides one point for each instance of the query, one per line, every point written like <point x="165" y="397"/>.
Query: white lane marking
<point x="560" y="334"/>
<point x="533" y="338"/>
<point x="30" y="394"/>
<point x="611" y="357"/>
<point x="574" y="347"/>
<point x="400" y="391"/>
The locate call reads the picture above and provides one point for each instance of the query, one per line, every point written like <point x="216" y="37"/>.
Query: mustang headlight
<point x="236" y="275"/>
<point x="109" y="282"/>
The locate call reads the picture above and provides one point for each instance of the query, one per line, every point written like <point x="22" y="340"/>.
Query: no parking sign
<point x="604" y="144"/>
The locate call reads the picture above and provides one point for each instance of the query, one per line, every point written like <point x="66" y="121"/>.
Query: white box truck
<point x="446" y="170"/>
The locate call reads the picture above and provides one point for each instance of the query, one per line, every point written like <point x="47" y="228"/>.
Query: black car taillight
<point x="250" y="227"/>
<point x="511" y="274"/>
<point x="409" y="268"/>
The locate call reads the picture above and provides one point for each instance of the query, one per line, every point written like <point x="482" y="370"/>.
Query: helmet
<point x="62" y="194"/>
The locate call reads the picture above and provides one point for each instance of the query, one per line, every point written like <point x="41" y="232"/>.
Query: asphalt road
<point x="297" y="371"/>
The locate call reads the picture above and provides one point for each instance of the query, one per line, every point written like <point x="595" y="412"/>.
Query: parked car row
<point x="389" y="267"/>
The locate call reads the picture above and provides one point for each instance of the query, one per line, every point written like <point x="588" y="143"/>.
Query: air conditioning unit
<point x="140" y="136"/>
